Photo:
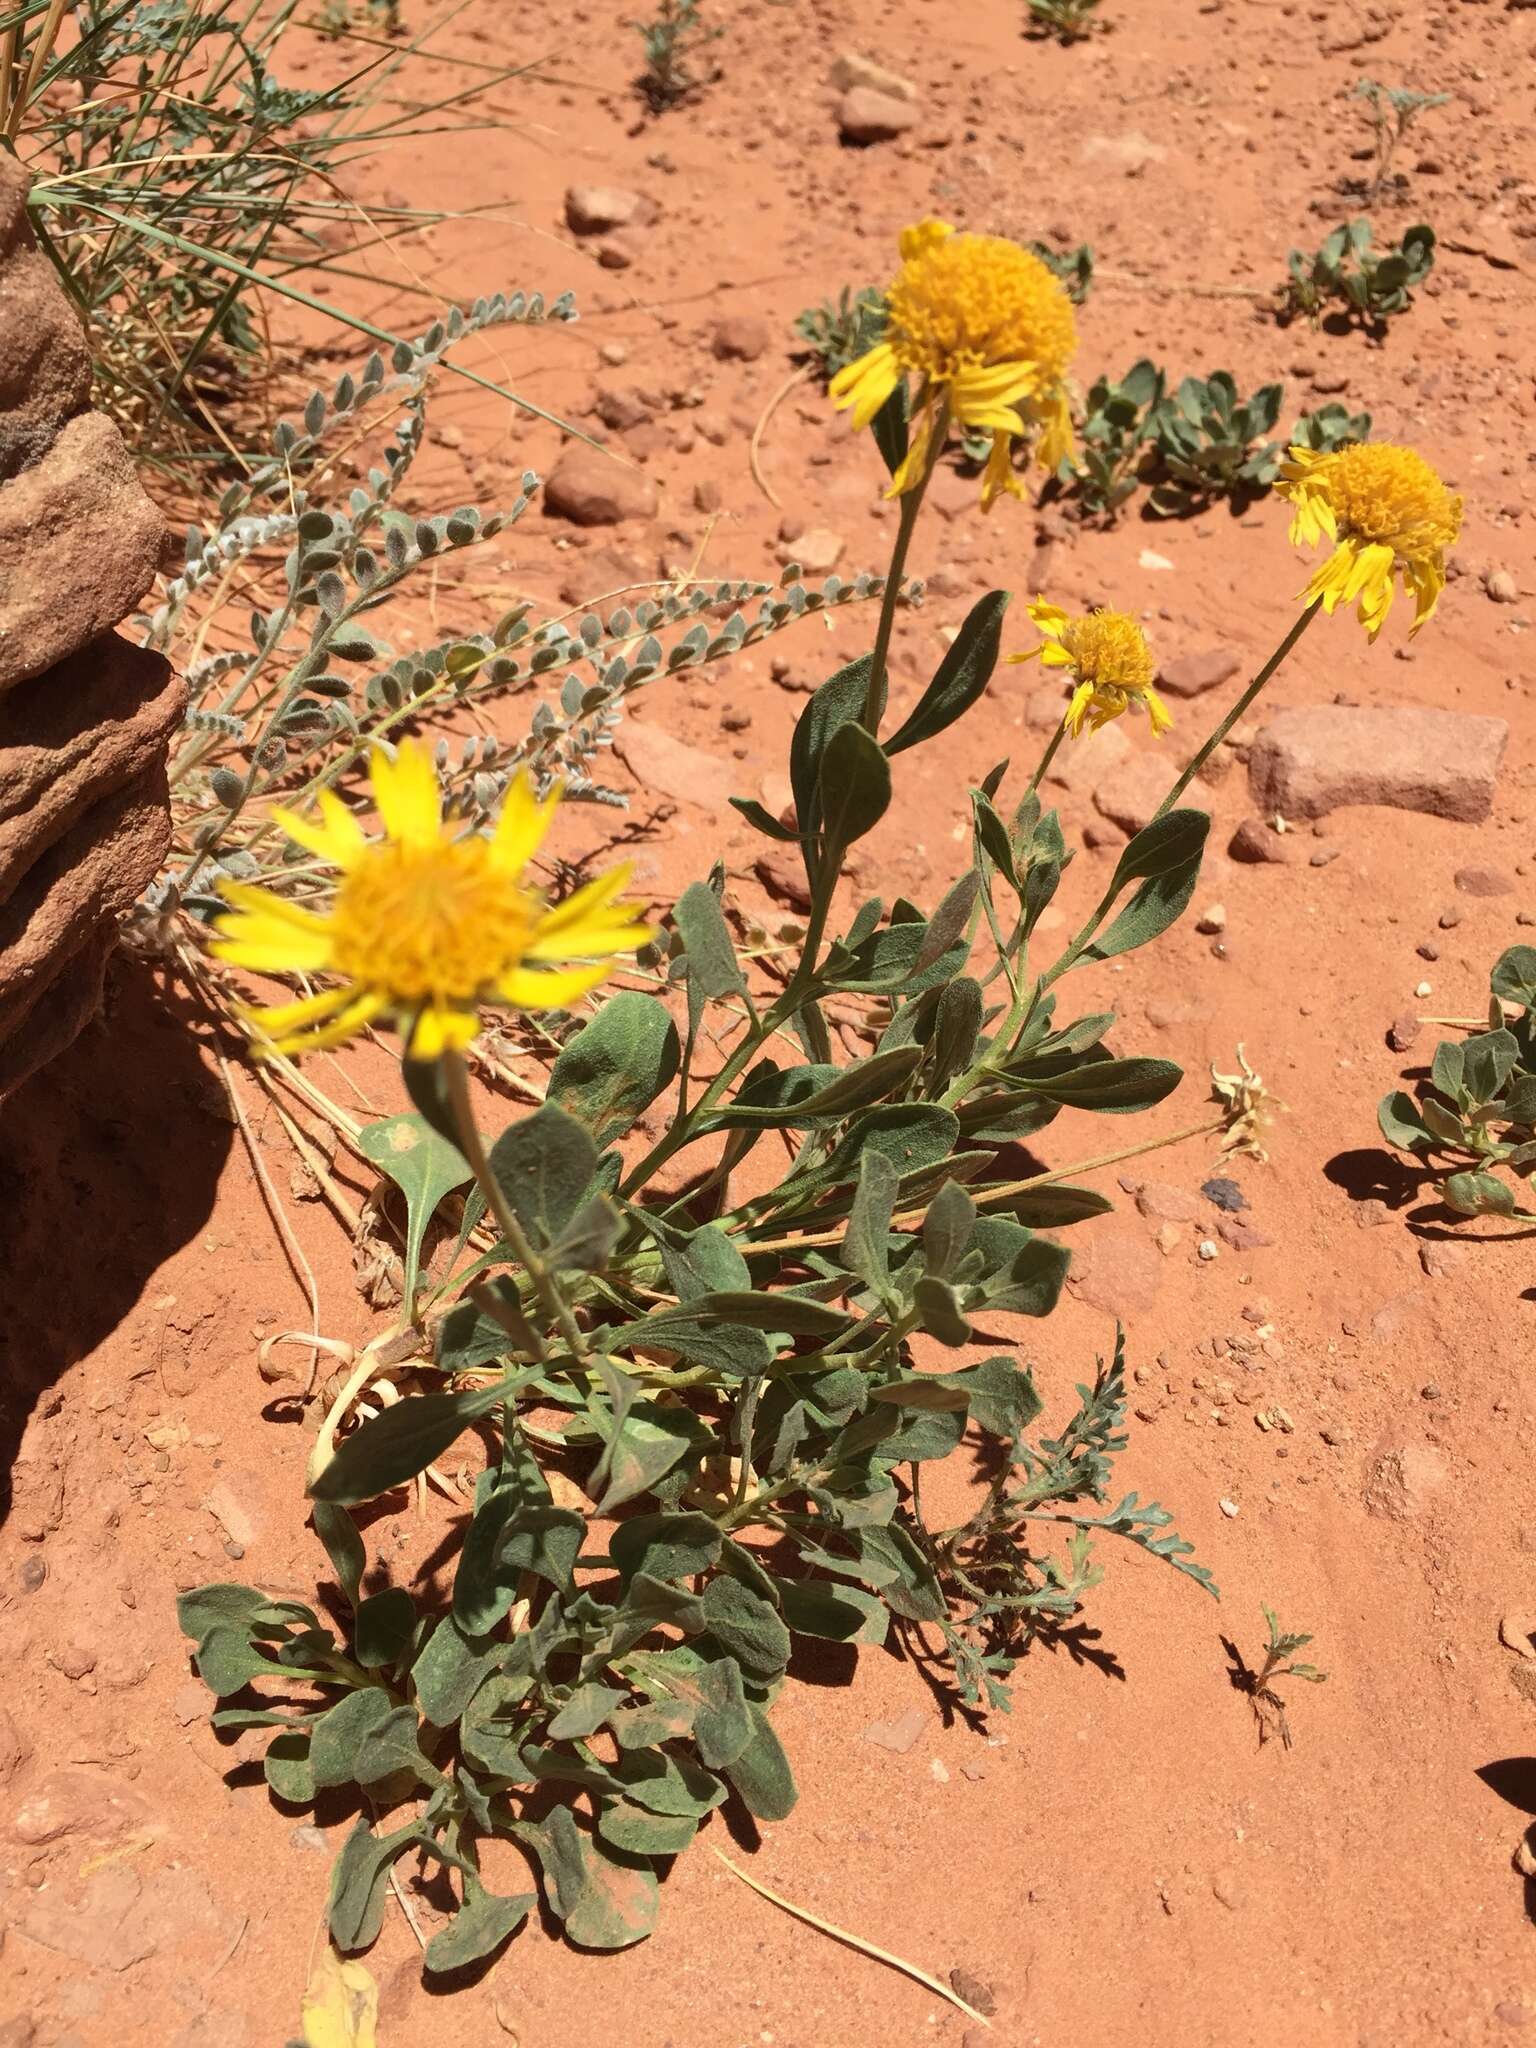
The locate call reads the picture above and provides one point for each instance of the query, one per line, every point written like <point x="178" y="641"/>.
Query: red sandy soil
<point x="1118" y="1860"/>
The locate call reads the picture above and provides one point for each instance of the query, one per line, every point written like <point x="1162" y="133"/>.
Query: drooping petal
<point x="406" y="793"/>
<point x="1158" y="713"/>
<point x="277" y="1020"/>
<point x="440" y="1027"/>
<point x="866" y="383"/>
<point x="1056" y="443"/>
<point x="913" y="466"/>
<point x="1077" y="710"/>
<point x="998" y="476"/>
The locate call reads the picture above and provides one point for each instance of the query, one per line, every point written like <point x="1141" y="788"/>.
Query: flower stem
<point x="911" y="505"/>
<point x="551" y="1300"/>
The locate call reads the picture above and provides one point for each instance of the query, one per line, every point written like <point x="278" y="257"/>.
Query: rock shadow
<point x="109" y="1161"/>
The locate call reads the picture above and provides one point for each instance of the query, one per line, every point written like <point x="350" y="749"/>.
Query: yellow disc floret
<point x="989" y="332"/>
<point x="1110" y="662"/>
<point x="1389" y="514"/>
<point x="425" y="926"/>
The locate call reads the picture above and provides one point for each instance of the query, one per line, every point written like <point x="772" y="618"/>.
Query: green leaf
<point x="1514" y="976"/>
<point x="287" y="1770"/>
<point x="662" y="1782"/>
<point x="795" y="1315"/>
<point x="1167" y="853"/>
<point x="338" y="1532"/>
<point x="939" y="1306"/>
<point x="511" y="1535"/>
<point x="949" y="922"/>
<point x="630" y="1828"/>
<point x="384" y="1627"/>
<point x="866" y="1242"/>
<point x="764" y="820"/>
<point x="401" y="1441"/>
<point x="1110" y="1087"/>
<point x="424" y="1166"/>
<point x="544" y="1164"/>
<point x="478" y="1929"/>
<point x="358" y="1879"/>
<point x="606" y="1897"/>
<point x="450" y="1669"/>
<point x="1002" y="1395"/>
<point x="227" y="1661"/>
<point x="1478" y="1194"/>
<point x="1025" y="1273"/>
<point x="839" y="702"/>
<point x="746" y="1627"/>
<point x="220" y="1605"/>
<point x="936" y="1391"/>
<point x="961" y="676"/>
<point x="1400" y="1122"/>
<point x="584" y="1712"/>
<point x="701" y="1261"/>
<point x="947" y="1229"/>
<point x="666" y="1546"/>
<point x="587" y="1241"/>
<point x="911" y="1135"/>
<point x="713" y="969"/>
<point x="761" y="1773"/>
<point x="364" y="1738"/>
<point x="889" y="428"/>
<point x="855" y="785"/>
<point x="730" y="1348"/>
<point x="838" y="1614"/>
<point x="645" y="1440"/>
<point x="1054" y="1207"/>
<point x="616" y="1066"/>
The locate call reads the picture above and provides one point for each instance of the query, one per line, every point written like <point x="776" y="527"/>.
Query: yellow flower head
<point x="988" y="331"/>
<point x="1110" y="661"/>
<point x="1390" y="516"/>
<point x="425" y="926"/>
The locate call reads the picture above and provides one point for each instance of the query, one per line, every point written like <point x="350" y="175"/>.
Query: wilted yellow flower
<point x="988" y="331"/>
<point x="1390" y="515"/>
<point x="1110" y="661"/>
<point x="425" y="927"/>
<point x="1250" y="1106"/>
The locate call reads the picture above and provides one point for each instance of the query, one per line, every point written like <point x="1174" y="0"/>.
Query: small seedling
<point x="1069" y="21"/>
<point x="674" y="38"/>
<point x="837" y="332"/>
<point x="1393" y="112"/>
<point x="1073" y="266"/>
<point x="1478" y="1107"/>
<point x="1105" y="470"/>
<point x="1268" y="1707"/>
<point x="1211" y="444"/>
<point x="1329" y="428"/>
<point x="1346" y="273"/>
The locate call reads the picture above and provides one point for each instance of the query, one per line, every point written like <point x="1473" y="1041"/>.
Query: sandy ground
<point x="1117" y="1860"/>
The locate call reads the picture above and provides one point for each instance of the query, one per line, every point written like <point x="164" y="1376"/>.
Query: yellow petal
<point x="556" y="989"/>
<point x="1056" y="443"/>
<point x="281" y="1018"/>
<point x="923" y="235"/>
<point x="440" y="1028"/>
<point x="352" y="1020"/>
<point x="867" y="383"/>
<point x="914" y="464"/>
<point x="406" y="793"/>
<point x="1050" y="618"/>
<point x="1158" y="712"/>
<point x="336" y="835"/>
<point x="1054" y="655"/>
<point x="1077" y="710"/>
<point x="524" y="822"/>
<point x="341" y="2005"/>
<point x="998" y="476"/>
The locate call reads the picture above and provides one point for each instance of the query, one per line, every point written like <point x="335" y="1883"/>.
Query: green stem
<point x="1079" y="945"/>
<point x="553" y="1302"/>
<point x="911" y="505"/>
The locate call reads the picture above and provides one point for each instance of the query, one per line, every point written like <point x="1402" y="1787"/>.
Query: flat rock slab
<point x="1308" y="762"/>
<point x="664" y="766"/>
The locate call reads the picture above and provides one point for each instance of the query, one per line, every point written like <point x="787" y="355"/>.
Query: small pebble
<point x="1228" y="1508"/>
<point x="1208" y="1249"/>
<point x="1422" y="989"/>
<point x="1213" y="919"/>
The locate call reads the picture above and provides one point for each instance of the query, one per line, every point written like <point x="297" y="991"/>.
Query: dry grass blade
<point x="856" y="1941"/>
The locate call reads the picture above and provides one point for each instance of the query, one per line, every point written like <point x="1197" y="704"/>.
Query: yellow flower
<point x="1110" y="661"/>
<point x="1390" y="516"/>
<point x="988" y="331"/>
<point x="425" y="927"/>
